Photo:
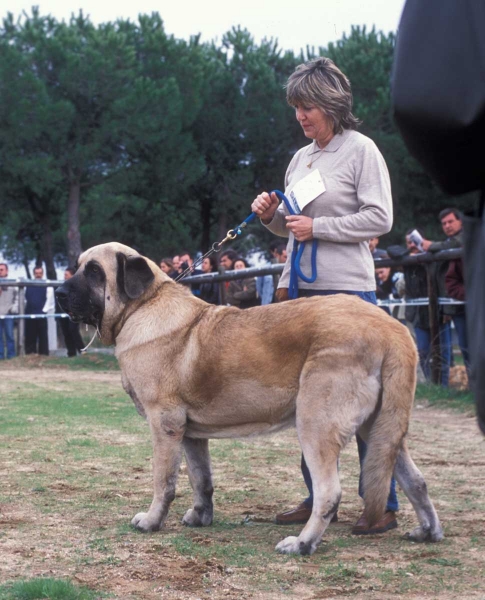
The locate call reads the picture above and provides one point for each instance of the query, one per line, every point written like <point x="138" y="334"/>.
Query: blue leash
<point x="296" y="254"/>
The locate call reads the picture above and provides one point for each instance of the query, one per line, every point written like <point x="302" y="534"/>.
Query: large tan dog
<point x="331" y="365"/>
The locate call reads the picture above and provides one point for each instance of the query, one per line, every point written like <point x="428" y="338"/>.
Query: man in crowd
<point x="375" y="251"/>
<point x="451" y="223"/>
<point x="8" y="306"/>
<point x="70" y="330"/>
<point x="280" y="253"/>
<point x="186" y="261"/>
<point x="38" y="301"/>
<point x="226" y="260"/>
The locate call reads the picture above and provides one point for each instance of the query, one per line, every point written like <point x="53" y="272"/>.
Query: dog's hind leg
<point x="200" y="476"/>
<point x="321" y="440"/>
<point x="334" y="400"/>
<point x="322" y="464"/>
<point x="414" y="486"/>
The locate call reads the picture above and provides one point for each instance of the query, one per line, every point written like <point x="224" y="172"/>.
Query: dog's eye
<point x="94" y="269"/>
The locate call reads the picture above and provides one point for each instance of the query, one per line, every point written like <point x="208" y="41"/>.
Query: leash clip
<point x="231" y="235"/>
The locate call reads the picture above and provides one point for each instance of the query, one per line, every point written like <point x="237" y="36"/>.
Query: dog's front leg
<point x="167" y="431"/>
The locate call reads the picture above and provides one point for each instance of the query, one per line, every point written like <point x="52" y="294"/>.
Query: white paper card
<point x="306" y="190"/>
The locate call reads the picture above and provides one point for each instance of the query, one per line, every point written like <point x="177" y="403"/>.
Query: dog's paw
<point x="142" y="522"/>
<point x="424" y="534"/>
<point x="196" y="518"/>
<point x="292" y="545"/>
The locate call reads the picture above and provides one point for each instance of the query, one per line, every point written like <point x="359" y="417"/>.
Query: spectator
<point x="416" y="286"/>
<point x="242" y="292"/>
<point x="265" y="289"/>
<point x="281" y="254"/>
<point x="168" y="267"/>
<point x="176" y="263"/>
<point x="265" y="285"/>
<point x="374" y="250"/>
<point x="341" y="218"/>
<point x="227" y="259"/>
<point x="451" y="223"/>
<point x="70" y="330"/>
<point x="209" y="291"/>
<point x="387" y="280"/>
<point x="455" y="286"/>
<point x="9" y="305"/>
<point x="186" y="262"/>
<point x="272" y="247"/>
<point x="39" y="300"/>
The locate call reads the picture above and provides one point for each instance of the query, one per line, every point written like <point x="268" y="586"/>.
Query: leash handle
<point x="296" y="254"/>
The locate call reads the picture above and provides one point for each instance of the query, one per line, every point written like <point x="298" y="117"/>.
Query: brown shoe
<point x="298" y="516"/>
<point x="387" y="522"/>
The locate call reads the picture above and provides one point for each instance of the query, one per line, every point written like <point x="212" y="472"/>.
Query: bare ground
<point x="74" y="524"/>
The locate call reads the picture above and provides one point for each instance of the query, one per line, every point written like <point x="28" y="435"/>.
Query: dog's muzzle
<point x="78" y="312"/>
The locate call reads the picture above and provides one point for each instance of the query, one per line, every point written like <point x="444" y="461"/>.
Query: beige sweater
<point x="356" y="206"/>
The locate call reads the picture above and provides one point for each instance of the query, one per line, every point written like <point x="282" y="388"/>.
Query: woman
<point x="209" y="291"/>
<point x="388" y="283"/>
<point x="242" y="292"/>
<point x="344" y="197"/>
<point x="167" y="266"/>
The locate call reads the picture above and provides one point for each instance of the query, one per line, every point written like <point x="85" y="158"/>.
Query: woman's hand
<point x="265" y="206"/>
<point x="301" y="227"/>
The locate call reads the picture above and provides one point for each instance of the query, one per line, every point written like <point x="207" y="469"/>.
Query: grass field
<point x="76" y="466"/>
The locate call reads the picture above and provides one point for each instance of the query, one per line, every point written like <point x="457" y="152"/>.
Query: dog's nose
<point x="61" y="296"/>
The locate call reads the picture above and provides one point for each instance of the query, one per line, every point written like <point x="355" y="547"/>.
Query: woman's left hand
<point x="301" y="227"/>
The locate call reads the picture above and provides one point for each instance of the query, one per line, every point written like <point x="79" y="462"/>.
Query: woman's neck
<point x="324" y="141"/>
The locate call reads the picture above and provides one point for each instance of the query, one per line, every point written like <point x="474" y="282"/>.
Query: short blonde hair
<point x="319" y="82"/>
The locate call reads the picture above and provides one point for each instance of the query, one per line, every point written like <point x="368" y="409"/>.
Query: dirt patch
<point x="70" y="487"/>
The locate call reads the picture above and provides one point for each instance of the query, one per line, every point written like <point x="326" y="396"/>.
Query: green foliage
<point x="123" y="132"/>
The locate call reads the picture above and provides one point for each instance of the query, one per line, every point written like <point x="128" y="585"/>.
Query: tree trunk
<point x="74" y="248"/>
<point x="222" y="227"/>
<point x="47" y="248"/>
<point x="205" y="219"/>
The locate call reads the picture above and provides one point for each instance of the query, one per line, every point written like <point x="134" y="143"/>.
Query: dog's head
<point x="110" y="277"/>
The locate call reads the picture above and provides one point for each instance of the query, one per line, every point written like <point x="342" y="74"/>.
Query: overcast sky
<point x="295" y="24"/>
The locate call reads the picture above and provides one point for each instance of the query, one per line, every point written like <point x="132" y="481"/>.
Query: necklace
<point x="313" y="156"/>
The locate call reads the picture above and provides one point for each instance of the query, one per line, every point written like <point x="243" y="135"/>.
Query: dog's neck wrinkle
<point x="169" y="311"/>
<point x="118" y="325"/>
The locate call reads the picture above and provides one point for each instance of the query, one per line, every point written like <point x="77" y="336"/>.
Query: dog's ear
<point x="134" y="275"/>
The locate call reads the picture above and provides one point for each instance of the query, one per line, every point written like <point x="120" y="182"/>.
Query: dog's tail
<point x="390" y="424"/>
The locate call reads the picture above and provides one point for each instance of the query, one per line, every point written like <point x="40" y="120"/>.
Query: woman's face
<point x="238" y="265"/>
<point x="315" y="123"/>
<point x="383" y="273"/>
<point x="206" y="265"/>
<point x="165" y="268"/>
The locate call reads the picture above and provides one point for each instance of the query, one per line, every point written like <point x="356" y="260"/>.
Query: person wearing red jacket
<point x="455" y="286"/>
